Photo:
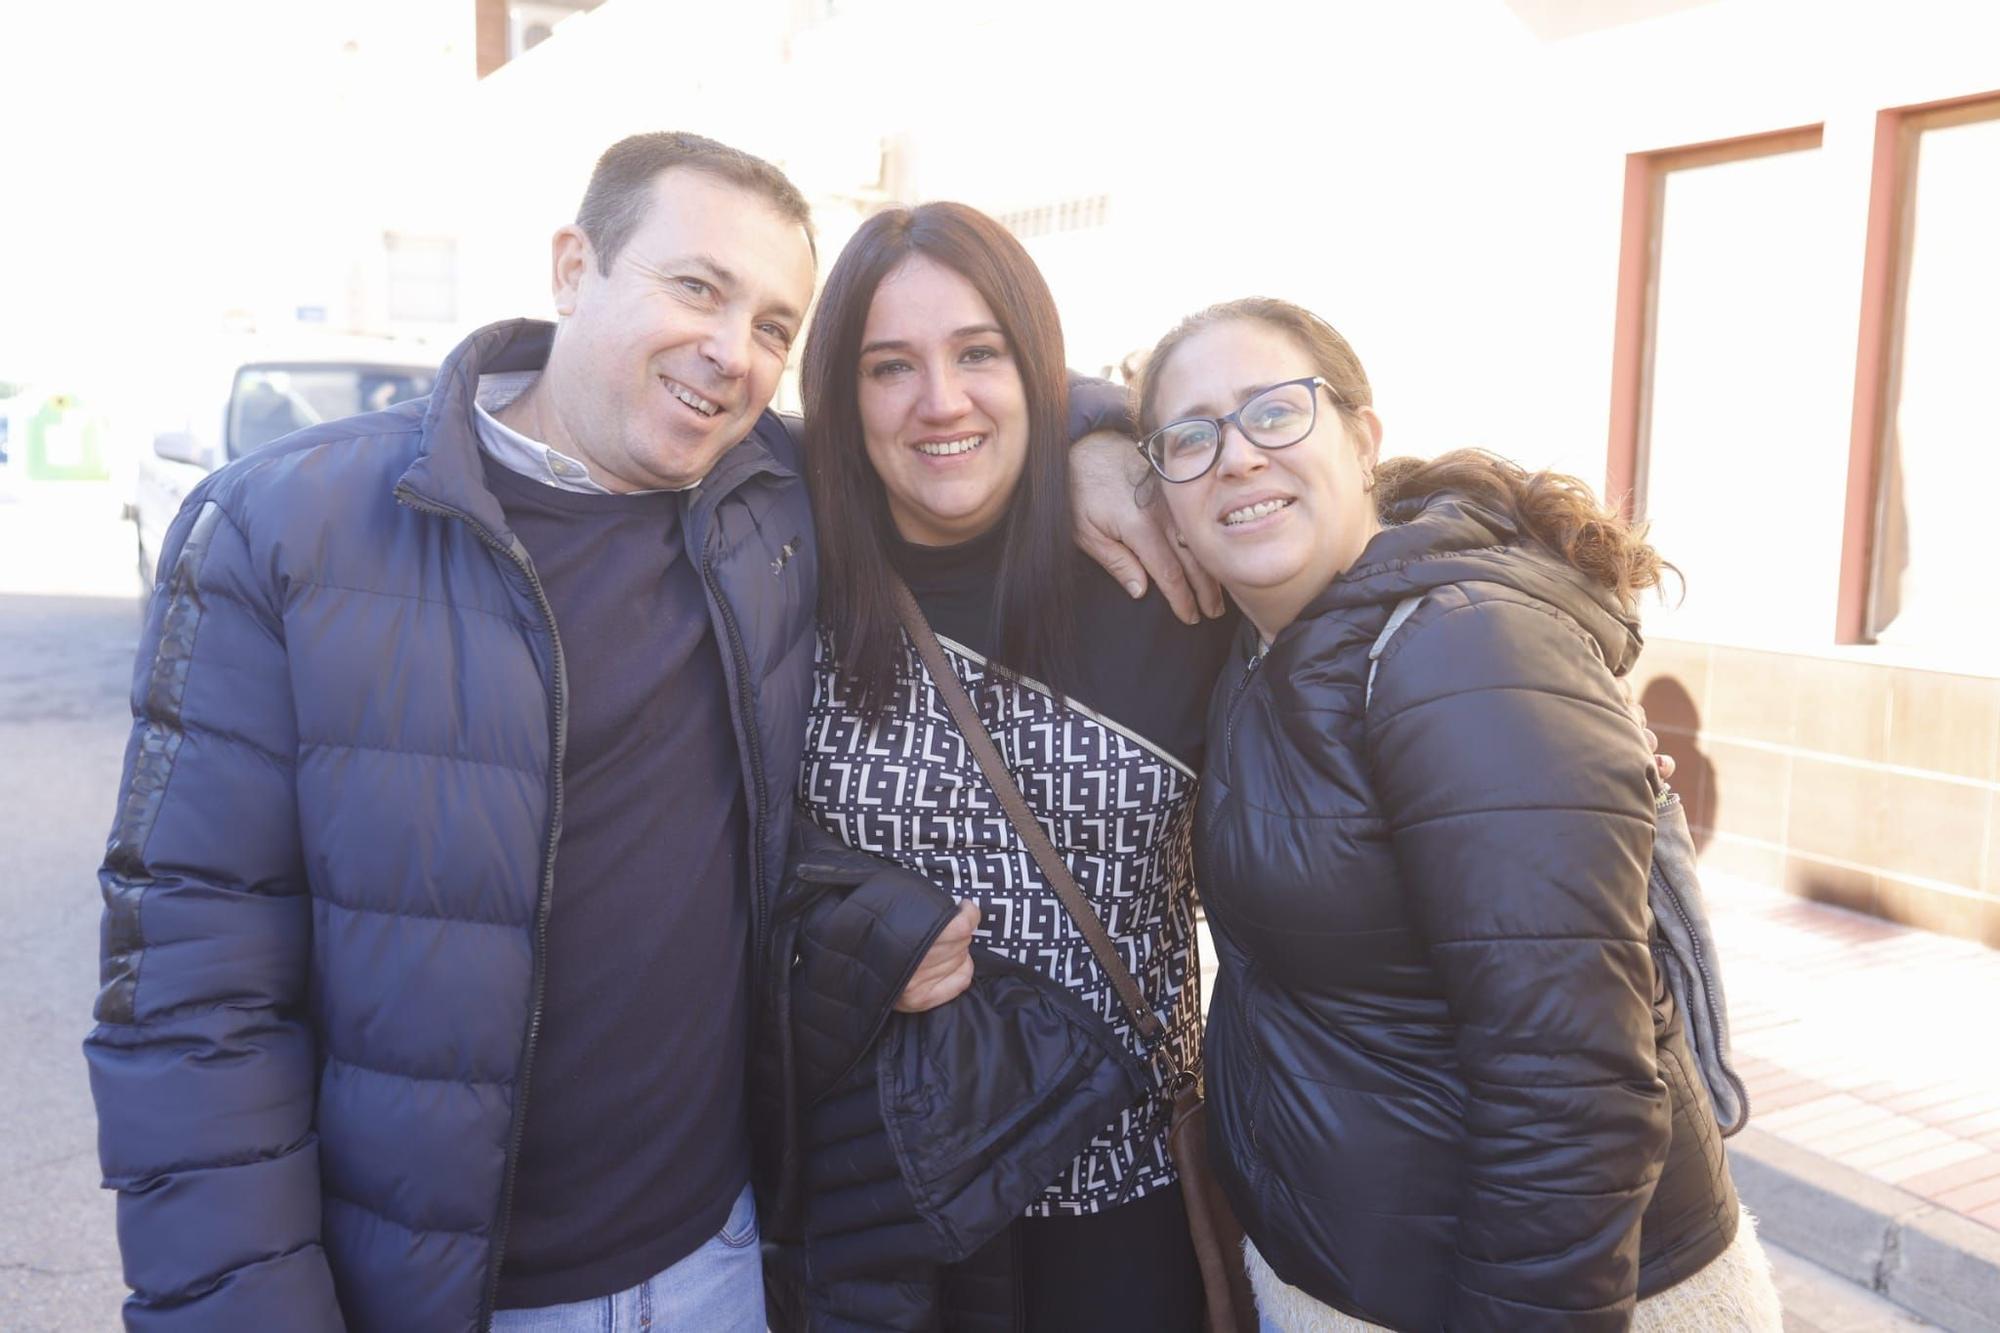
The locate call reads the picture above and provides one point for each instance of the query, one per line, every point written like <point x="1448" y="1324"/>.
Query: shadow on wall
<point x="1671" y="713"/>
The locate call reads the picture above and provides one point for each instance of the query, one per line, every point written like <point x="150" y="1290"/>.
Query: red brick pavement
<point x="1866" y="1042"/>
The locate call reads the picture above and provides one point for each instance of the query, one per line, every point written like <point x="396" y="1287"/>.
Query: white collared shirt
<point x="519" y="454"/>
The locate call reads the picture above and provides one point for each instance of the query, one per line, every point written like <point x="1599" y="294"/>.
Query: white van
<point x="250" y="395"/>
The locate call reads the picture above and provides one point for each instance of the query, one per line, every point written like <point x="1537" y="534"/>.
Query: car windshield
<point x="271" y="401"/>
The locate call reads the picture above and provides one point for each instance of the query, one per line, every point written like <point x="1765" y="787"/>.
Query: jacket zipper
<point x="1716" y="1021"/>
<point x="558" y="736"/>
<point x="760" y="907"/>
<point x="1235" y="698"/>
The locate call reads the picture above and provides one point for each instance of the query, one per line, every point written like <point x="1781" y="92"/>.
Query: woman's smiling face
<point x="944" y="415"/>
<point x="1274" y="525"/>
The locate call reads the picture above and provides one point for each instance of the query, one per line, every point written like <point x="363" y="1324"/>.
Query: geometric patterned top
<point x="1120" y="811"/>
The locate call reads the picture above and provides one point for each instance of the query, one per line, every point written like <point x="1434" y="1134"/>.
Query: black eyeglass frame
<point x="1235" y="419"/>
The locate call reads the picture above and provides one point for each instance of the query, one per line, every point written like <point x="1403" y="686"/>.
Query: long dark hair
<point x="1033" y="620"/>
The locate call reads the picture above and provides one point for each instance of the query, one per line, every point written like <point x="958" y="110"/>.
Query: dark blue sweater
<point x="635" y="1142"/>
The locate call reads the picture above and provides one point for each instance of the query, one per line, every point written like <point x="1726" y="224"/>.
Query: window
<point x="269" y="402"/>
<point x="1069" y="215"/>
<point x="1933" y="425"/>
<point x="1729" y="430"/>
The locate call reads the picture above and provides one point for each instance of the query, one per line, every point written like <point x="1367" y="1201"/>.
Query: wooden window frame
<point x="1630" y="445"/>
<point x="1878" y="354"/>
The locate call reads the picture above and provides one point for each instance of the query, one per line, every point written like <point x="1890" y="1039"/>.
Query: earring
<point x="1368" y="481"/>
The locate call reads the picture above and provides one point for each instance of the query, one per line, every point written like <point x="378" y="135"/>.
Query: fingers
<point x="959" y="930"/>
<point x="1116" y="557"/>
<point x="1162" y="559"/>
<point x="1207" y="590"/>
<point x="920" y="996"/>
<point x="946" y="969"/>
<point x="1661" y="759"/>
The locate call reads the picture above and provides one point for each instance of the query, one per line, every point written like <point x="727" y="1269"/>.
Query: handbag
<point x="1683" y="943"/>
<point x="1212" y="1224"/>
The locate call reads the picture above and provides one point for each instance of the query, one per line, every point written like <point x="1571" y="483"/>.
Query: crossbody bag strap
<point x="1018" y="814"/>
<point x="1396" y="619"/>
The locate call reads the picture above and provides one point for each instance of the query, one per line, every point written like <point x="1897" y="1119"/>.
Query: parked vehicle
<point x="242" y="400"/>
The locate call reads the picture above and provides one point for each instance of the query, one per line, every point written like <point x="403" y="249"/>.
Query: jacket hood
<point x="1447" y="537"/>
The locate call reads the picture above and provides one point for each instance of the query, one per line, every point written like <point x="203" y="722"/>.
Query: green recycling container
<point x="64" y="442"/>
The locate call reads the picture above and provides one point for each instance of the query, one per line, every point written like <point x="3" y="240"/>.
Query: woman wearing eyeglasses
<point x="1447" y="1088"/>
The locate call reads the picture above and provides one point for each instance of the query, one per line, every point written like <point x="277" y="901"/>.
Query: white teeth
<point x="692" y="399"/>
<point x="1248" y="512"/>
<point x="946" y="448"/>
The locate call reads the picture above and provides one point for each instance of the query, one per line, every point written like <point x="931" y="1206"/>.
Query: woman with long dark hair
<point x="934" y="392"/>
<point x="1448" y="1084"/>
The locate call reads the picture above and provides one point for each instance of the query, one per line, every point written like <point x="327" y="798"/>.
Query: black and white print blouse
<point x="1119" y="809"/>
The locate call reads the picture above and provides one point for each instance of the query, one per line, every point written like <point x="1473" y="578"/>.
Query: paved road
<point x="65" y="663"/>
<point x="68" y="623"/>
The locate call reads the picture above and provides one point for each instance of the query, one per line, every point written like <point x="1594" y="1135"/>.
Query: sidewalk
<point x="1867" y="1042"/>
<point x="67" y="538"/>
<point x="1874" y="1139"/>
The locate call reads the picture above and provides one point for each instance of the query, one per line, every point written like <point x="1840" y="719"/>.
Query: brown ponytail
<point x="1558" y="511"/>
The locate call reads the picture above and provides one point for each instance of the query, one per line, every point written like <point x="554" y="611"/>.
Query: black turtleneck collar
<point x="938" y="566"/>
<point x="1136" y="663"/>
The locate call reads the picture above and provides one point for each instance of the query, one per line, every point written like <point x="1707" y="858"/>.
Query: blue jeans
<point x="717" y="1289"/>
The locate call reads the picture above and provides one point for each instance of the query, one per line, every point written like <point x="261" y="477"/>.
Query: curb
<point x="1925" y="1258"/>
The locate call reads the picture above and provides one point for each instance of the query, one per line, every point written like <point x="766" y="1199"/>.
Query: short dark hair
<point x="620" y="189"/>
<point x="1033" y="617"/>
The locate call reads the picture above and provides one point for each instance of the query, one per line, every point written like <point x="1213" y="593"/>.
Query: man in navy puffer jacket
<point x="429" y="927"/>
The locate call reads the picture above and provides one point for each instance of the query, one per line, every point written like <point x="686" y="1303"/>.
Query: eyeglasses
<point x="1280" y="416"/>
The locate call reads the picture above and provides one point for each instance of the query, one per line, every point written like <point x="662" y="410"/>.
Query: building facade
<point x="1734" y="258"/>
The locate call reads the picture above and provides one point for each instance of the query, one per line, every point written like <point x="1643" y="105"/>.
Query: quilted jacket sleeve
<point x="201" y="1063"/>
<point x="865" y="931"/>
<point x="1518" y="797"/>
<point x="1096" y="404"/>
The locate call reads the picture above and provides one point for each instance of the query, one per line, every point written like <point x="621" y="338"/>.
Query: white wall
<point x="1441" y="180"/>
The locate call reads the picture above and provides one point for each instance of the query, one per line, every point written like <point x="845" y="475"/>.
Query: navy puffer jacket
<point x="331" y="858"/>
<point x="1446" y="1085"/>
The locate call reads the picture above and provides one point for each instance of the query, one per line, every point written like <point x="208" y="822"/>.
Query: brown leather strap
<point x="1018" y="814"/>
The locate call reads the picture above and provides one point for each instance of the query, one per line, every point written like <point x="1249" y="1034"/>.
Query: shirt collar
<point x="519" y="454"/>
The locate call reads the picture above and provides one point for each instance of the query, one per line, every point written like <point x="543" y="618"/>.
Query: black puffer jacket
<point x="1447" y="1087"/>
<point x="898" y="1148"/>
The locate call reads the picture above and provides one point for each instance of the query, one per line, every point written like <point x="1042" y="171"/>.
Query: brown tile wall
<point x="1873" y="787"/>
<point x="1989" y="879"/>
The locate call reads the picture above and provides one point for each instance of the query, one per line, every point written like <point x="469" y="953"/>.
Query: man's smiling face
<point x="665" y="361"/>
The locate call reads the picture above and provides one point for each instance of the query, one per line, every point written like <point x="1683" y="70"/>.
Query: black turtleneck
<point x="1135" y="663"/>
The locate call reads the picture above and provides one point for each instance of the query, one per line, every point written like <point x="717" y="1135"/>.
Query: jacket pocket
<point x="1239" y="1112"/>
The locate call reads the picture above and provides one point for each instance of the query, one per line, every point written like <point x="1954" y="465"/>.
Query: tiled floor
<point x="1867" y="1042"/>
